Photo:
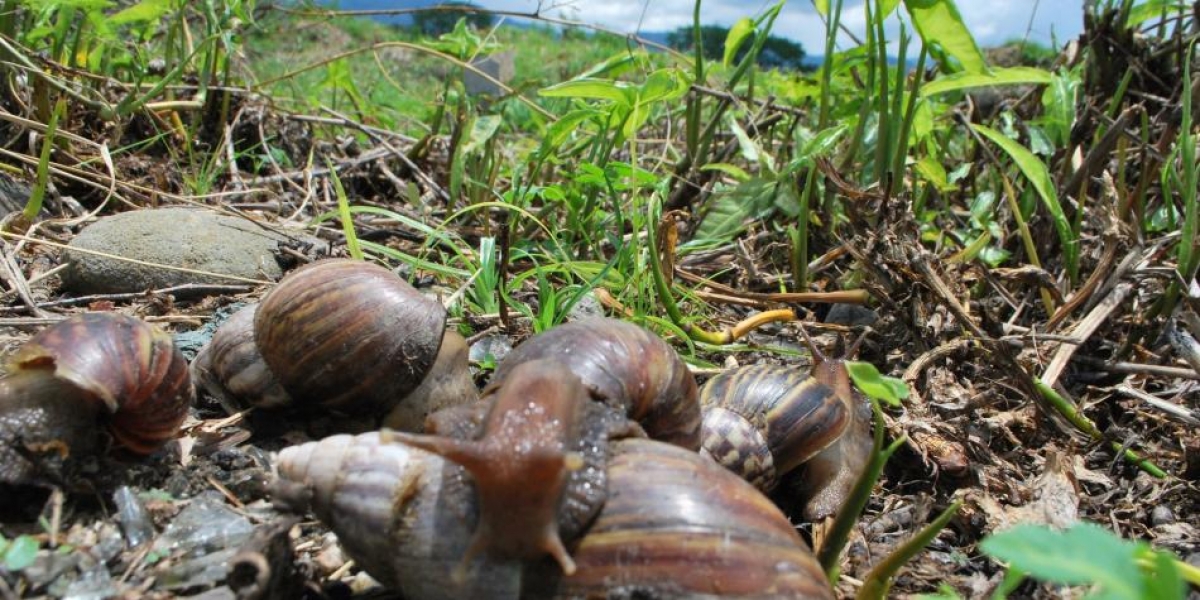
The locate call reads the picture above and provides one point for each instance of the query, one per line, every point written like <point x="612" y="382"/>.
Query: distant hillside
<point x="660" y="37"/>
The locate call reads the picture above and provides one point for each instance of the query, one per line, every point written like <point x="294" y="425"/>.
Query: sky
<point x="991" y="21"/>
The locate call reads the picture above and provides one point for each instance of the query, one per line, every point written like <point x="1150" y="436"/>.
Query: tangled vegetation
<point x="1023" y="229"/>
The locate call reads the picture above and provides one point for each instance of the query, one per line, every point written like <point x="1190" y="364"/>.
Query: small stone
<point x="490" y="349"/>
<point x="586" y="307"/>
<point x="1162" y="515"/>
<point x="179" y="237"/>
<point x="329" y="559"/>
<point x="851" y="315"/>
<point x="132" y="515"/>
<point x="207" y="525"/>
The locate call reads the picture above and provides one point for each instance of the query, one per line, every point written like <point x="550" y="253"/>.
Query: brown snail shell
<point x="625" y="366"/>
<point x="92" y="371"/>
<point x="831" y="474"/>
<point x="675" y="526"/>
<point x="341" y="335"/>
<point x="762" y="421"/>
<point x="344" y="333"/>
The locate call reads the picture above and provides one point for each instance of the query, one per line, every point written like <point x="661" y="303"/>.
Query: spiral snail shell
<point x="342" y="335"/>
<point x="625" y="366"/>
<point x="90" y="372"/>
<point x="675" y="525"/>
<point x="763" y="421"/>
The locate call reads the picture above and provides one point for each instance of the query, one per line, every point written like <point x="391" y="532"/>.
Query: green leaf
<point x="871" y="382"/>
<point x="939" y="22"/>
<point x="1164" y="579"/>
<point x="20" y="553"/>
<point x="144" y="11"/>
<point x="733" y="171"/>
<point x="482" y="130"/>
<point x="822" y="7"/>
<point x="558" y="132"/>
<point x="967" y="80"/>
<point x="738" y="34"/>
<point x="724" y="218"/>
<point x="1085" y="554"/>
<point x="613" y="66"/>
<point x="886" y="7"/>
<point x="595" y="89"/>
<point x="932" y="171"/>
<point x="1039" y="176"/>
<point x="663" y="85"/>
<point x="1154" y="9"/>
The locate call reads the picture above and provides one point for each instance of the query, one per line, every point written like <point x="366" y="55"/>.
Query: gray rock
<point x="499" y="66"/>
<point x="851" y="315"/>
<point x="179" y="237"/>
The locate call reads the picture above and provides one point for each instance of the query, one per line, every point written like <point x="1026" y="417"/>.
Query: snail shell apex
<point x="625" y="366"/>
<point x="762" y="421"/>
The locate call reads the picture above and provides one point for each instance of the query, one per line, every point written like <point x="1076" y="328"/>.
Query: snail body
<point x="93" y="371"/>
<point x="523" y="459"/>
<point x="341" y="335"/>
<point x="624" y="366"/>
<point x="764" y="421"/>
<point x="675" y="525"/>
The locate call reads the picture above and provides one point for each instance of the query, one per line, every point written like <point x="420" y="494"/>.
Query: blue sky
<point x="991" y="21"/>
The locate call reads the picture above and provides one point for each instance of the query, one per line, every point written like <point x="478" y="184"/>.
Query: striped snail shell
<point x="675" y="525"/>
<point x="341" y="335"/>
<point x="89" y="373"/>
<point x="763" y="421"/>
<point x="625" y="366"/>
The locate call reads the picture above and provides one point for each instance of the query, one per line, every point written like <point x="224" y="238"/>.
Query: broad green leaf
<point x="886" y="7"/>
<point x="1039" y="176"/>
<point x="939" y="22"/>
<point x="727" y="211"/>
<point x="733" y="171"/>
<point x="932" y="171"/>
<point x="1155" y="9"/>
<point x="822" y="7"/>
<point x="596" y="89"/>
<point x="146" y="10"/>
<point x="1165" y="580"/>
<point x="612" y="66"/>
<point x="724" y="217"/>
<point x="565" y="126"/>
<point x="20" y="553"/>
<point x="1085" y="554"/>
<point x="738" y="34"/>
<point x="663" y="85"/>
<point x="966" y="80"/>
<point x="871" y="382"/>
<point x="482" y="130"/>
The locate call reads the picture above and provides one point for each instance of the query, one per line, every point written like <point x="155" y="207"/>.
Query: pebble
<point x="180" y="237"/>
<point x="1162" y="515"/>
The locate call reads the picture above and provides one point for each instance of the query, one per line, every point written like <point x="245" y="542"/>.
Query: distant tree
<point x="436" y="22"/>
<point x="777" y="52"/>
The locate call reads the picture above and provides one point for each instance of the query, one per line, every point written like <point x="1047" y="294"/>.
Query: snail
<point x="763" y="421"/>
<point x="628" y="516"/>
<point x="626" y="367"/>
<point x="343" y="335"/>
<point x="674" y="525"/>
<point x="92" y="371"/>
<point x="523" y="458"/>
